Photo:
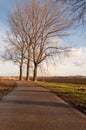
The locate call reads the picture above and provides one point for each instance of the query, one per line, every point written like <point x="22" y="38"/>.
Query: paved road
<point x="29" y="107"/>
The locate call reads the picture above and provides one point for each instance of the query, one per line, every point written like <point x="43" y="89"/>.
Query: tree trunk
<point x="20" y="76"/>
<point x="35" y="72"/>
<point x="28" y="66"/>
<point x="21" y="65"/>
<point x="28" y="70"/>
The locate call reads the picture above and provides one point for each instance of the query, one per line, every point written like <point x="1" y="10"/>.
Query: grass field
<point x="70" y="79"/>
<point x="74" y="94"/>
<point x="6" y="86"/>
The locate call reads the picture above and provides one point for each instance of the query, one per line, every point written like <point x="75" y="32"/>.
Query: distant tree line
<point x="31" y="28"/>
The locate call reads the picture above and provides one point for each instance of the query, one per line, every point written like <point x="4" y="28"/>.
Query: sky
<point x="72" y="64"/>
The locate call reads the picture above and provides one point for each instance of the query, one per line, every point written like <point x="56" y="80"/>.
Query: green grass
<point x="76" y="91"/>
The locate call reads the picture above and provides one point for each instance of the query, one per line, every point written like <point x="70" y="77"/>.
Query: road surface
<point x="30" y="107"/>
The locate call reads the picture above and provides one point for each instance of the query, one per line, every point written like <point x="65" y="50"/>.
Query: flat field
<point x="6" y="86"/>
<point x="68" y="79"/>
<point x="75" y="94"/>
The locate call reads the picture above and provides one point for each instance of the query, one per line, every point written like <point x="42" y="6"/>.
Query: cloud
<point x="74" y="52"/>
<point x="73" y="65"/>
<point x="8" y="69"/>
<point x="56" y="40"/>
<point x="3" y="30"/>
<point x="80" y="60"/>
<point x="62" y="69"/>
<point x="80" y="63"/>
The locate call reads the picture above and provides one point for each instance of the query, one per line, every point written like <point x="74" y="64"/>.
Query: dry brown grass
<point x="6" y="86"/>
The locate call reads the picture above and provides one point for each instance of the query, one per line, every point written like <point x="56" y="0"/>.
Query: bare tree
<point x="15" y="52"/>
<point x="19" y="27"/>
<point x="32" y="27"/>
<point x="77" y="9"/>
<point x="28" y="37"/>
<point x="47" y="21"/>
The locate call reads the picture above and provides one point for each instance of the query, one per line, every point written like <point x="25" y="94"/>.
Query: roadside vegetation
<point x="6" y="86"/>
<point x="74" y="94"/>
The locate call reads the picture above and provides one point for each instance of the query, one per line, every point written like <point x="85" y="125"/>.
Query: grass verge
<point x="6" y="86"/>
<point x="74" y="94"/>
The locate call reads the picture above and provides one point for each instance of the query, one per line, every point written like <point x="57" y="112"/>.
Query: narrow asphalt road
<point x="30" y="107"/>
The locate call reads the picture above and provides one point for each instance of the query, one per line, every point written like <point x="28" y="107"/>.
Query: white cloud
<point x="73" y="65"/>
<point x="8" y="69"/>
<point x="56" y="40"/>
<point x="3" y="30"/>
<point x="80" y="63"/>
<point x="75" y="51"/>
<point x="80" y="60"/>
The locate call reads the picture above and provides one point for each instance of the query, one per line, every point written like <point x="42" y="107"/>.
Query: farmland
<point x="69" y="79"/>
<point x="6" y="86"/>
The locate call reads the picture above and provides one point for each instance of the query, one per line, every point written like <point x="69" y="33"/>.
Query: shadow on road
<point x="44" y="103"/>
<point x="35" y="91"/>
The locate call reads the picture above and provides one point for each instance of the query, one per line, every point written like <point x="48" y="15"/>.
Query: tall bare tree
<point x="19" y="27"/>
<point x="47" y="20"/>
<point x="16" y="47"/>
<point x="15" y="52"/>
<point x="33" y="25"/>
